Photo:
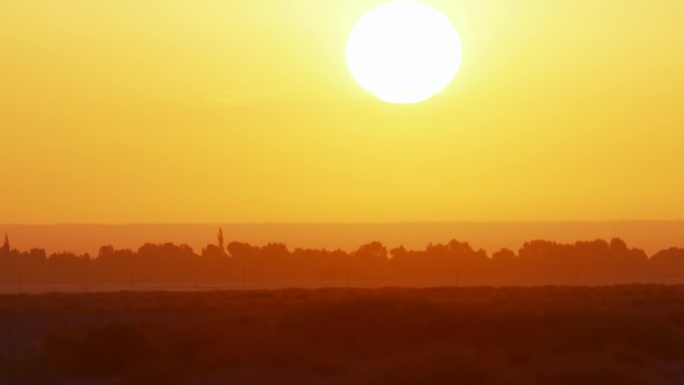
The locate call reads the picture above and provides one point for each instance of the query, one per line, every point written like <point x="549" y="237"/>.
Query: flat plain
<point x="632" y="334"/>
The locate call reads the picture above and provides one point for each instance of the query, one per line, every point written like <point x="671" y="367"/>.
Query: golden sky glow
<point x="119" y="111"/>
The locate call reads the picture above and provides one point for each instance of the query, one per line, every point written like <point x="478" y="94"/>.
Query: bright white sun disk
<point x="403" y="51"/>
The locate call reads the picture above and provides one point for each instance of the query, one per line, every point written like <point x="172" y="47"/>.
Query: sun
<point x="403" y="51"/>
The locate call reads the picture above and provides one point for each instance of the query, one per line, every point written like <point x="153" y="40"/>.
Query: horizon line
<point x="577" y="221"/>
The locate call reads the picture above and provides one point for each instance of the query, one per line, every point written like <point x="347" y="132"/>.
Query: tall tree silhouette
<point x="5" y="249"/>
<point x="221" y="245"/>
<point x="215" y="251"/>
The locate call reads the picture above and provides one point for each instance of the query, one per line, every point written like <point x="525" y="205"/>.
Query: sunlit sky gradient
<point x="120" y="111"/>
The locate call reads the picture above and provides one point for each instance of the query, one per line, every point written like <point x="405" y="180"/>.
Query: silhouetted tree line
<point x="454" y="263"/>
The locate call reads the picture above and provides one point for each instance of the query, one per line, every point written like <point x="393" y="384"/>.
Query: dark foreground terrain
<point x="550" y="335"/>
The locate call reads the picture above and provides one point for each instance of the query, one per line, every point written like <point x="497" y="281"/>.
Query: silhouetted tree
<point x="211" y="251"/>
<point x="5" y="249"/>
<point x="241" y="250"/>
<point x="373" y="250"/>
<point x="221" y="246"/>
<point x="398" y="252"/>
<point x="215" y="251"/>
<point x="669" y="262"/>
<point x="105" y="251"/>
<point x="504" y="256"/>
<point x="274" y="252"/>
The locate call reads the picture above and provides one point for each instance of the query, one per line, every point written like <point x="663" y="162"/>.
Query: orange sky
<point x="215" y="111"/>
